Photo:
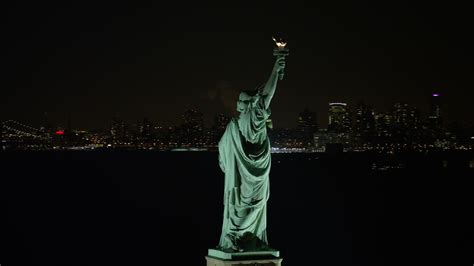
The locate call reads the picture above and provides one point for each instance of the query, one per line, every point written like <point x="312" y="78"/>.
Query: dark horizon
<point x="155" y="62"/>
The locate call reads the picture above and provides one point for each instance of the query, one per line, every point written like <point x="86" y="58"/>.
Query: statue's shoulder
<point x="232" y="122"/>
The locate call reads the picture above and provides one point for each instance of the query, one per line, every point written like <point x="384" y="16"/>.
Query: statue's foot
<point x="244" y="243"/>
<point x="250" y="242"/>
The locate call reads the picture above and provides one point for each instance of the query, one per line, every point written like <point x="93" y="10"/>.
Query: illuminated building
<point x="339" y="118"/>
<point x="405" y="116"/>
<point x="405" y="124"/>
<point x="435" y="122"/>
<point x="286" y="138"/>
<point x="307" y="121"/>
<point x="321" y="138"/>
<point x="306" y="127"/>
<point x="383" y="122"/>
<point x="364" y="124"/>
<point x="191" y="131"/>
<point x="339" y="126"/>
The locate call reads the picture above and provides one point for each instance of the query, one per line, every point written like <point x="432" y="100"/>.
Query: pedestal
<point x="251" y="262"/>
<point x="257" y="258"/>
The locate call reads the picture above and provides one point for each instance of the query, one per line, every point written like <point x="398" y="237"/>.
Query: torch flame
<point x="280" y="44"/>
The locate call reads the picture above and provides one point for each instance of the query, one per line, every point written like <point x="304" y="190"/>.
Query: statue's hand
<point x="279" y="64"/>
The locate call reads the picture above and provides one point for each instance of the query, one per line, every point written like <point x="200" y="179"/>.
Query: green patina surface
<point x="244" y="157"/>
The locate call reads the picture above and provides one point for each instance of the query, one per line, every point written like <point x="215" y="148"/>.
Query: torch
<point x="280" y="51"/>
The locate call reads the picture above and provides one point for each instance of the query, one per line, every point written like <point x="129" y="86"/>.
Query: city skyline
<point x="147" y="61"/>
<point x="349" y="128"/>
<point x="322" y="119"/>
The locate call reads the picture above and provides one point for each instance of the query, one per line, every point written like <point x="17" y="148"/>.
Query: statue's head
<point x="245" y="98"/>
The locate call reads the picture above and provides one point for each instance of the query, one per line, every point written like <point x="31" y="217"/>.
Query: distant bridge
<point x="12" y="127"/>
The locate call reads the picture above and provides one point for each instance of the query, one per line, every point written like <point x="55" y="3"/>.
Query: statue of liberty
<point x="244" y="157"/>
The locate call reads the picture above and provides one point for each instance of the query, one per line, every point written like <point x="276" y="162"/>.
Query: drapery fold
<point x="244" y="157"/>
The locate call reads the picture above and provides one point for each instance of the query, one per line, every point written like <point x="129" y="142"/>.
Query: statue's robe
<point x="244" y="157"/>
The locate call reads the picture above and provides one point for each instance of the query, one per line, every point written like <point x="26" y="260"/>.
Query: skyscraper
<point x="435" y="116"/>
<point x="364" y="124"/>
<point x="339" y="127"/>
<point x="307" y="126"/>
<point x="405" y="123"/>
<point x="191" y="133"/>
<point x="405" y="116"/>
<point x="383" y="123"/>
<point x="307" y="121"/>
<point x="339" y="118"/>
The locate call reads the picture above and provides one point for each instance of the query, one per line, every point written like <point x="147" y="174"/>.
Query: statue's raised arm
<point x="270" y="86"/>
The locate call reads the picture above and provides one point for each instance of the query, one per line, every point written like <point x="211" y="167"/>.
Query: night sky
<point x="155" y="61"/>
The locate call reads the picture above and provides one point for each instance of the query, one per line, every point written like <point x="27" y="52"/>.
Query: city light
<point x="343" y="104"/>
<point x="349" y="129"/>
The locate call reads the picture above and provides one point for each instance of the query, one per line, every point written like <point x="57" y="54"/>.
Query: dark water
<point x="152" y="208"/>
